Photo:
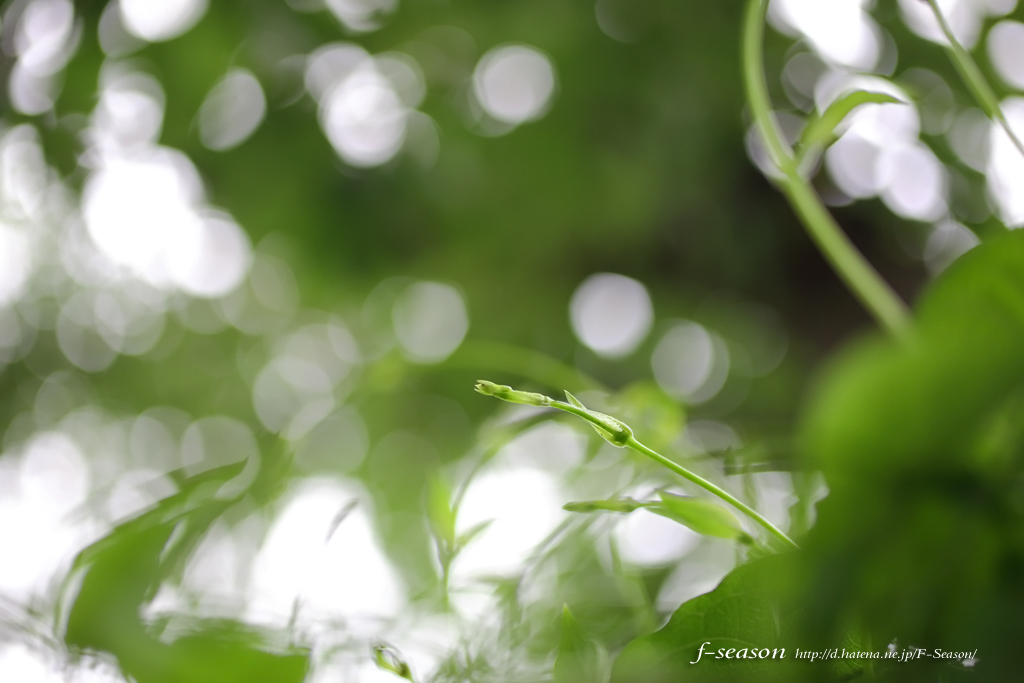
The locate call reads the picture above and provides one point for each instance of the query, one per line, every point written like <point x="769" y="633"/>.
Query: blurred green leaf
<point x="117" y="575"/>
<point x="923" y="472"/>
<point x="388" y="658"/>
<point x="699" y="514"/>
<point x="820" y="131"/>
<point x="439" y="511"/>
<point x="580" y="659"/>
<point x="744" y="613"/>
<point x="466" y="537"/>
<point x="608" y="428"/>
<point x="611" y="505"/>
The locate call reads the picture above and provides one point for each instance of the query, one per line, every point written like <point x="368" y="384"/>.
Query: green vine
<point x="862" y="279"/>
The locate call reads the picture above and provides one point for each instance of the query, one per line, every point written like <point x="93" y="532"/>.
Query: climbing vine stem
<point x="862" y="279"/>
<point x="973" y="78"/>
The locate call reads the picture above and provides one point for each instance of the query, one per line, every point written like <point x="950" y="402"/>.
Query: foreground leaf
<point x="745" y="613"/>
<point x="118" y="575"/>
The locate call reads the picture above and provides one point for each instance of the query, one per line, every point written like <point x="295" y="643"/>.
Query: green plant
<point x="636" y="168"/>
<point x="691" y="512"/>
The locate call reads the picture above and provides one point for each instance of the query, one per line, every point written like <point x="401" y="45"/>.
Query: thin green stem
<point x="716" y="490"/>
<point x="619" y="434"/>
<point x="973" y="78"/>
<point x="861" y="278"/>
<point x="630" y="441"/>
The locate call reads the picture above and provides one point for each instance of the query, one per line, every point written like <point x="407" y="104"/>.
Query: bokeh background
<point x="290" y="234"/>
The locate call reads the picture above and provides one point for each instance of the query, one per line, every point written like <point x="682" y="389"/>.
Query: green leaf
<point x="439" y="511"/>
<point x="466" y="537"/>
<point x="610" y="429"/>
<point x="919" y="444"/>
<point x="580" y="659"/>
<point x="746" y="612"/>
<point x="611" y="505"/>
<point x="699" y="514"/>
<point x="116" y="576"/>
<point x="575" y="401"/>
<point x="389" y="659"/>
<point x="821" y="131"/>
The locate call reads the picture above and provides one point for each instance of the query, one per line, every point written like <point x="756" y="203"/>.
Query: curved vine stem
<point x="973" y="78"/>
<point x="712" y="488"/>
<point x="861" y="278"/>
<point x="619" y="434"/>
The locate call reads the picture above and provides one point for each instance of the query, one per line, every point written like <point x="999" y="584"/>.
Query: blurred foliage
<point x="639" y="168"/>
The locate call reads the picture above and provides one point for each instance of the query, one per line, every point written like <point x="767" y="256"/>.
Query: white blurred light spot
<point x="879" y="153"/>
<point x="53" y="470"/>
<point x="697" y="577"/>
<point x="130" y="113"/>
<point x="79" y="337"/>
<point x="330" y="65"/>
<point x="549" y="446"/>
<point x="690" y="363"/>
<point x="647" y="539"/>
<point x="514" y="83"/>
<point x="969" y="138"/>
<point x="430" y="321"/>
<point x="144" y="212"/>
<point x="947" y="242"/>
<point x="852" y="163"/>
<point x="965" y="17"/>
<point x="841" y="31"/>
<point x="30" y="94"/>
<point x="216" y="441"/>
<point x="709" y="436"/>
<point x="913" y="183"/>
<point x="135" y="491"/>
<point x="337" y="444"/>
<point x="215" y="573"/>
<point x="1006" y="165"/>
<point x="44" y="40"/>
<point x="361" y="15"/>
<point x="611" y="314"/>
<point x="525" y="506"/>
<point x="214" y="261"/>
<point x="18" y="663"/>
<point x="114" y="38"/>
<point x="319" y="565"/>
<point x="135" y="208"/>
<point x="127" y="324"/>
<point x="15" y="264"/>
<point x="405" y="76"/>
<point x="43" y="34"/>
<point x="364" y="118"/>
<point x="232" y="111"/>
<point x="152" y="445"/>
<point x="800" y="76"/>
<point x="1006" y="51"/>
<point x="294" y="392"/>
<point x="163" y="19"/>
<point x="51" y="479"/>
